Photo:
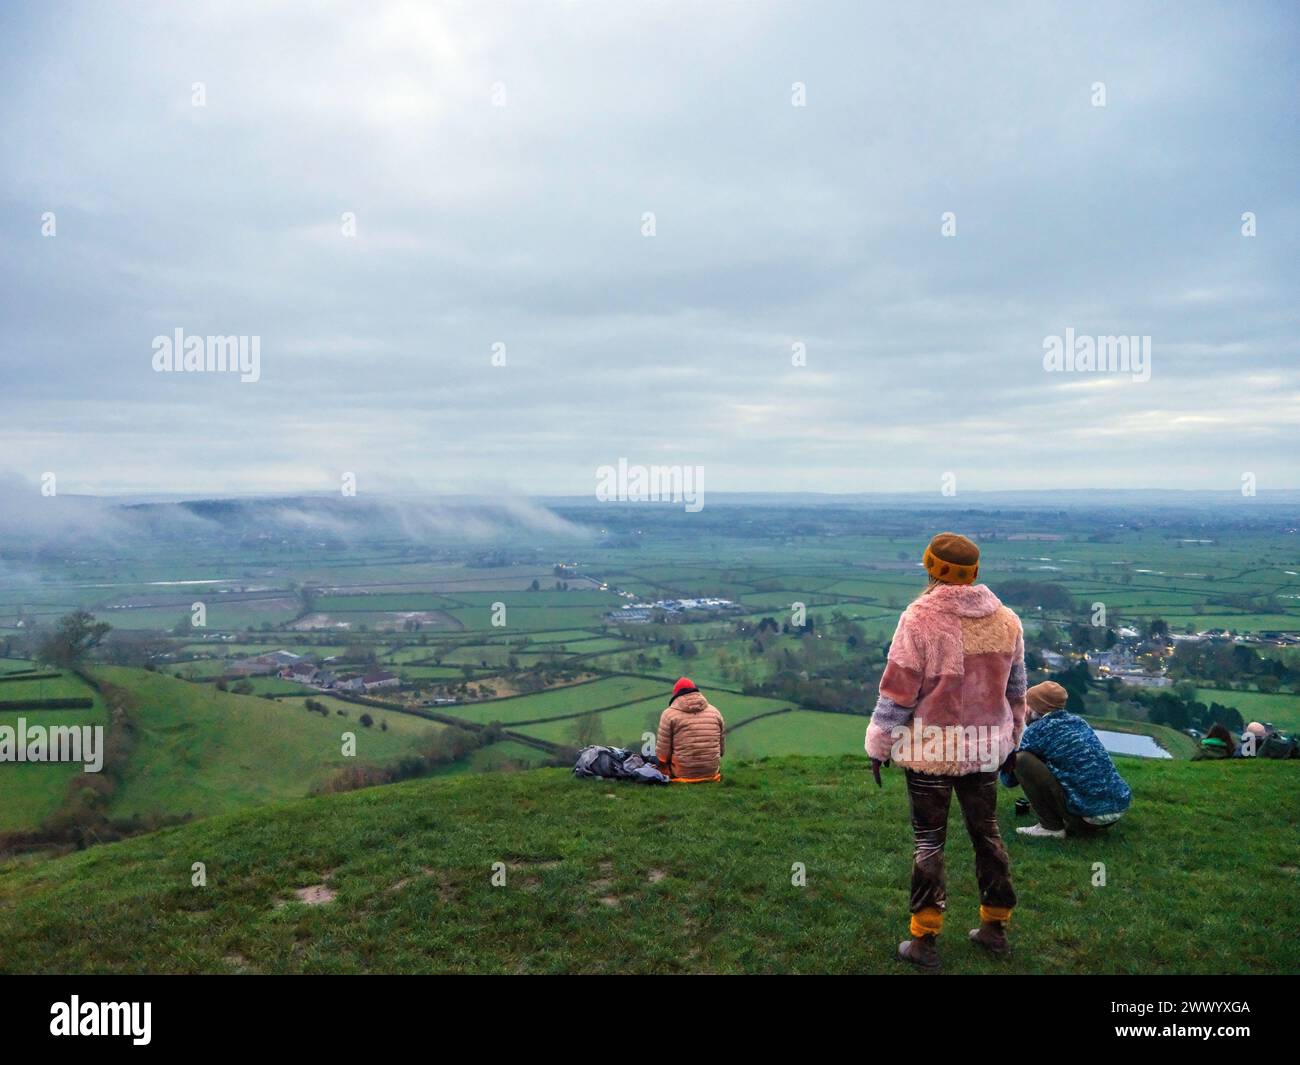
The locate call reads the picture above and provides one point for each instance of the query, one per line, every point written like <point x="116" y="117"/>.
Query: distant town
<point x="669" y="610"/>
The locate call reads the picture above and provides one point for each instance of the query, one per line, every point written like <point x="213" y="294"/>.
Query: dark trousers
<point x="1047" y="797"/>
<point x="929" y="798"/>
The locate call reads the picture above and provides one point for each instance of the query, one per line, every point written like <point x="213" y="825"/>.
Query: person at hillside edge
<point x="957" y="661"/>
<point x="1266" y="742"/>
<point x="1066" y="772"/>
<point x="692" y="736"/>
<point x="1217" y="744"/>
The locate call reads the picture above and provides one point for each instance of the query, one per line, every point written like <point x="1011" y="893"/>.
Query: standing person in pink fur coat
<point x="950" y="712"/>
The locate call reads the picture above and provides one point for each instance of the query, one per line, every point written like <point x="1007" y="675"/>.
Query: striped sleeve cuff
<point x="889" y="715"/>
<point x="1017" y="681"/>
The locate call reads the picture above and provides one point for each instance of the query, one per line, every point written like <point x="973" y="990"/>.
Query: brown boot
<point x="992" y="936"/>
<point x="920" y="951"/>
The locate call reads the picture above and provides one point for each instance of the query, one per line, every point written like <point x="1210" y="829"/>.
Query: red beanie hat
<point x="684" y="684"/>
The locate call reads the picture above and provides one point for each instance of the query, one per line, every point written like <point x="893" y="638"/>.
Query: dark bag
<point x="615" y="763"/>
<point x="1276" y="746"/>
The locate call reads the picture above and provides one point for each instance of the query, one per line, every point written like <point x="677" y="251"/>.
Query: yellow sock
<point x="927" y="921"/>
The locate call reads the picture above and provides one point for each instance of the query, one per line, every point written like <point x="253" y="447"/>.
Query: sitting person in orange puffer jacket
<point x="692" y="736"/>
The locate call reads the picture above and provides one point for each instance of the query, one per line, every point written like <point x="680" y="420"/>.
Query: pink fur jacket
<point x="952" y="697"/>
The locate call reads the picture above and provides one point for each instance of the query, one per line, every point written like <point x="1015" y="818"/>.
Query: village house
<point x="1117" y="658"/>
<point x="262" y="665"/>
<point x="302" y="671"/>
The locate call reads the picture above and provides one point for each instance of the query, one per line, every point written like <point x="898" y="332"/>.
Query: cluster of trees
<point x="1047" y="595"/>
<point x="71" y="640"/>
<point x="837" y="671"/>
<point x="1250" y="604"/>
<point x="1077" y="636"/>
<point x="1220" y="663"/>
<point x="843" y="688"/>
<point x="1176" y="707"/>
<point x="1183" y="711"/>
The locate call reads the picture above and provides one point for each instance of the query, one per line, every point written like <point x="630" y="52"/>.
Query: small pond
<point x="1128" y="743"/>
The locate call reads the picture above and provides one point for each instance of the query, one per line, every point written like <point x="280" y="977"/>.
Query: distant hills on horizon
<point x="1061" y="497"/>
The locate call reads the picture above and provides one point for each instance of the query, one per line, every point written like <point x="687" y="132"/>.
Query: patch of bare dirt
<point x="602" y="884"/>
<point x="316" y="895"/>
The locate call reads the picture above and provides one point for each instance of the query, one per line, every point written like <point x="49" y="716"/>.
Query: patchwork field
<point x="31" y="792"/>
<point x="816" y="594"/>
<point x="564" y="702"/>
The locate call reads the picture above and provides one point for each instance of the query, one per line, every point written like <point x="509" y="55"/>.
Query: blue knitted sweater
<point x="1072" y="751"/>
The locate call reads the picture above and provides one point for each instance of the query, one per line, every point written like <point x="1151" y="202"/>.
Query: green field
<point x="1282" y="710"/>
<point x="31" y="792"/>
<point x="799" y="732"/>
<point x="410" y="866"/>
<point x="558" y="702"/>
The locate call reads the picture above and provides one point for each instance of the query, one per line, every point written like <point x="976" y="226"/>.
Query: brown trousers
<point x="1047" y="797"/>
<point x="929" y="798"/>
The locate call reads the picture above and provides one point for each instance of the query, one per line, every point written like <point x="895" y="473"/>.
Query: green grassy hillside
<point x="204" y="751"/>
<point x="613" y="878"/>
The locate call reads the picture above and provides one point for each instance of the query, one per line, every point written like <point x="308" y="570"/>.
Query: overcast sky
<point x="522" y="224"/>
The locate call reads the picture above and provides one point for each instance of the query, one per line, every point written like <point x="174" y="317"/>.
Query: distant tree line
<point x="1222" y="662"/>
<point x="1175" y="707"/>
<point x="447" y="746"/>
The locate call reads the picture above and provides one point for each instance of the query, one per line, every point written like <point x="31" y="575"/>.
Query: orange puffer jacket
<point x="692" y="739"/>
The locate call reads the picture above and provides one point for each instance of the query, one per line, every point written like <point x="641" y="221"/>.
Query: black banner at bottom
<point x="332" y="1014"/>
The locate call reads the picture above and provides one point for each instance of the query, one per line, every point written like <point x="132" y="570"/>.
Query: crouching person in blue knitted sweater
<point x="1067" y="774"/>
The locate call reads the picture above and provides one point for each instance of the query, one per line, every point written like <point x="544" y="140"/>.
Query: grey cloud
<point x="479" y="224"/>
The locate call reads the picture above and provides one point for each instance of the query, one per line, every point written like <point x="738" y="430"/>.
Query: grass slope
<point x="614" y="878"/>
<point x="203" y="751"/>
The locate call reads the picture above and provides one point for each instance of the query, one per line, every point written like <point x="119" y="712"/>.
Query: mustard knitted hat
<point x="952" y="559"/>
<point x="1046" y="697"/>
